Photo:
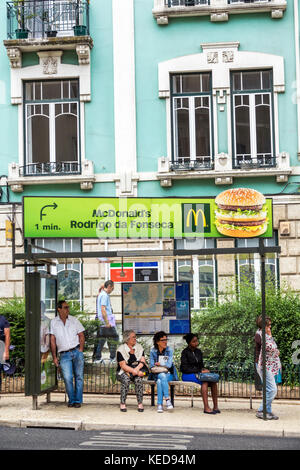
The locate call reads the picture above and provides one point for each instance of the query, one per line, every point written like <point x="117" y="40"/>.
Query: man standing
<point x="67" y="339"/>
<point x="4" y="342"/>
<point x="107" y="328"/>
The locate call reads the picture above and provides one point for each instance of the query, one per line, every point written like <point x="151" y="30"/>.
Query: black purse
<point x="144" y="369"/>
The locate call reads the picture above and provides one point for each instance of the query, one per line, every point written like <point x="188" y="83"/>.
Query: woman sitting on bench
<point x="191" y="364"/>
<point x="161" y="358"/>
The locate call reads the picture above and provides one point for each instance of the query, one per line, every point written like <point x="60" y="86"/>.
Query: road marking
<point x="123" y="440"/>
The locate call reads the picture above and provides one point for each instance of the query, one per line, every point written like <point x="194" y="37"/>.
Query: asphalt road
<point x="122" y="442"/>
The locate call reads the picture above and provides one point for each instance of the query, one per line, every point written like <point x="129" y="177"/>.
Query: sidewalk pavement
<point x="101" y="412"/>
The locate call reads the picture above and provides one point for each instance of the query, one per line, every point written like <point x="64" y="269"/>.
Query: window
<point x="248" y="266"/>
<point x="201" y="272"/>
<point x="69" y="276"/>
<point x="51" y="111"/>
<point x="192" y="121"/>
<point x="253" y="119"/>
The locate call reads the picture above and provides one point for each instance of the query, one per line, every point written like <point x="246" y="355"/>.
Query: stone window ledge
<point x="218" y="10"/>
<point x="223" y="172"/>
<point x="16" y="182"/>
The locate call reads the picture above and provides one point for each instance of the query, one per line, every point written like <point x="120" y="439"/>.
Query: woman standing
<point x="130" y="358"/>
<point x="191" y="364"/>
<point x="162" y="356"/>
<point x="273" y="366"/>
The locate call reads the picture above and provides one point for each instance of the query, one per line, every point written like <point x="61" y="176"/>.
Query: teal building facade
<point x="151" y="98"/>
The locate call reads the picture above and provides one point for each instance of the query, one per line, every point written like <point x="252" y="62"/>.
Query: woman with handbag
<point x="192" y="366"/>
<point x="132" y="367"/>
<point x="273" y="366"/>
<point x="162" y="368"/>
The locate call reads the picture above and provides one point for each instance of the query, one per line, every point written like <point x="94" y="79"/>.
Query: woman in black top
<point x="191" y="364"/>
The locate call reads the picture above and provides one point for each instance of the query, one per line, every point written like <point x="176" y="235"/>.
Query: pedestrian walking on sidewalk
<point x="273" y="366"/>
<point x="107" y="324"/>
<point x="191" y="364"/>
<point x="67" y="340"/>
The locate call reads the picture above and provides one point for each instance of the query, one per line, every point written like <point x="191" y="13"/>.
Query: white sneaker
<point x="169" y="405"/>
<point x="160" y="409"/>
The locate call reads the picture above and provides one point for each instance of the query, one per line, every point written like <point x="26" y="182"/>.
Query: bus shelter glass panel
<point x="48" y="309"/>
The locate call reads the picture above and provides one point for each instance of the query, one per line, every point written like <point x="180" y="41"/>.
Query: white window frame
<point x="192" y="127"/>
<point x="220" y="59"/>
<point x="52" y="126"/>
<point x="256" y="263"/>
<point x="195" y="265"/>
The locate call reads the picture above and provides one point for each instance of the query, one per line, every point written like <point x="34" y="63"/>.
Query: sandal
<point x="124" y="409"/>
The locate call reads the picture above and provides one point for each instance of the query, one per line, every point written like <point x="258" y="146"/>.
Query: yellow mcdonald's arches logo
<point x="196" y="216"/>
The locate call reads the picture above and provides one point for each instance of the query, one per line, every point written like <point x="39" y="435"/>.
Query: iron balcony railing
<point x="186" y="3"/>
<point x="201" y="163"/>
<point x="261" y="161"/>
<point x="248" y="1"/>
<point x="47" y="18"/>
<point x="51" y="169"/>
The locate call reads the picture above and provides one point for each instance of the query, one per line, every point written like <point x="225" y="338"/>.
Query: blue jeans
<point x="162" y="382"/>
<point x="72" y="364"/>
<point x="271" y="390"/>
<point x="111" y="336"/>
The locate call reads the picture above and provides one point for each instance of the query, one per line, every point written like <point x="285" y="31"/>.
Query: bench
<point x="173" y="384"/>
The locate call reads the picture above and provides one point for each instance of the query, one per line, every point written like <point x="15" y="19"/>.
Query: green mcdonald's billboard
<point x="146" y="218"/>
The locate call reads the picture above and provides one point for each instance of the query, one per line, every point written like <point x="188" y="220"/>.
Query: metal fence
<point x="40" y="18"/>
<point x="236" y="381"/>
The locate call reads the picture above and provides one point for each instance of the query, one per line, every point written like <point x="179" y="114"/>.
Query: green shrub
<point x="14" y="311"/>
<point x="227" y="328"/>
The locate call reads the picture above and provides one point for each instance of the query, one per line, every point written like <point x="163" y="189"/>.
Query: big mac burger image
<point x="241" y="213"/>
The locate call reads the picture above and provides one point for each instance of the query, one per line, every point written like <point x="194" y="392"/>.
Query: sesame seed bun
<point x="240" y="197"/>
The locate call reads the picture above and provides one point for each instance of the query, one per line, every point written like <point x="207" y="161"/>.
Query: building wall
<point x="126" y="122"/>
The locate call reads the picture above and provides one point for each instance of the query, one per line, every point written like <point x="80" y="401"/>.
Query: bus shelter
<point x="143" y="218"/>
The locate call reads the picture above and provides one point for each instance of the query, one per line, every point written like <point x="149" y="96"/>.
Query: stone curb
<point x="85" y="426"/>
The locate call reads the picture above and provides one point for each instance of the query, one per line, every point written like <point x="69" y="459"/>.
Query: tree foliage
<point x="227" y="328"/>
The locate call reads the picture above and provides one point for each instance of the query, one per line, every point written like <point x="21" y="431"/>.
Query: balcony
<point x="51" y="173"/>
<point x="223" y="169"/>
<point x="218" y="10"/>
<point x="35" y="19"/>
<point x="185" y="164"/>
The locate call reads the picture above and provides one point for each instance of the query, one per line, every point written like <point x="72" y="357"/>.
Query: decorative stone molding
<point x="50" y="61"/>
<point x="126" y="185"/>
<point x="223" y="162"/>
<point x="228" y="56"/>
<point x="50" y="65"/>
<point x="83" y="53"/>
<point x="15" y="57"/>
<point x="212" y="57"/>
<point x="223" y="180"/>
<point x="217" y="10"/>
<point x="222" y="16"/>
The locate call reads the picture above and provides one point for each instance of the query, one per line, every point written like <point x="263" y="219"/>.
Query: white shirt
<point x="66" y="335"/>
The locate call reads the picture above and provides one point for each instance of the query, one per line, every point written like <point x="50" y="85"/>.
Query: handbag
<point x="278" y="377"/>
<point x="144" y="369"/>
<point x="208" y="377"/>
<point x="159" y="369"/>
